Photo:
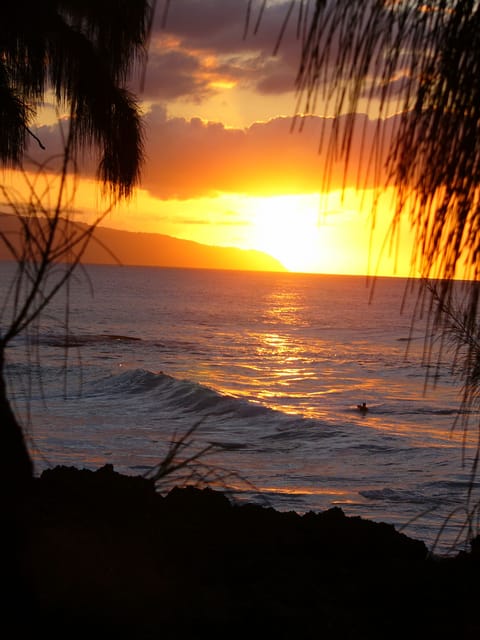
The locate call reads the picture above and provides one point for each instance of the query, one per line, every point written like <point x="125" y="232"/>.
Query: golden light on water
<point x="310" y="491"/>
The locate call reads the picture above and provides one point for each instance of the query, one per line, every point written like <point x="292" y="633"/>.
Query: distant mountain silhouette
<point x="154" y="249"/>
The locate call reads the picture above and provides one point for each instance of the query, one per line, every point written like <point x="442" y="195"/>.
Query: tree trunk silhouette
<point x="16" y="480"/>
<point x="16" y="467"/>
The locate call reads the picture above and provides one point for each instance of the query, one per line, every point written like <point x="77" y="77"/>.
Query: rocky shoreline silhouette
<point x="103" y="555"/>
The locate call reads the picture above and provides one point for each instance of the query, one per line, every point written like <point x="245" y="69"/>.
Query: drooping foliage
<point x="415" y="63"/>
<point x="421" y="60"/>
<point x="83" y="52"/>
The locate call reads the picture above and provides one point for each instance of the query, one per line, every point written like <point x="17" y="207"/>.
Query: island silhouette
<point x="112" y="246"/>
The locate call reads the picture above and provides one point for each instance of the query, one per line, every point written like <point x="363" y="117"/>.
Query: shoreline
<point x="105" y="555"/>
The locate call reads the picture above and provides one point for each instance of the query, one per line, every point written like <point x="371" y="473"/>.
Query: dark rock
<point x="193" y="500"/>
<point x="106" y="556"/>
<point x="88" y="493"/>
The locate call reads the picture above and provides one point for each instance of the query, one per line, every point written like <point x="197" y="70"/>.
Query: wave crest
<point x="184" y="395"/>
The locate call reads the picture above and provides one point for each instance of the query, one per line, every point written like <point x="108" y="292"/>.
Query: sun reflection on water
<point x="286" y="306"/>
<point x="311" y="491"/>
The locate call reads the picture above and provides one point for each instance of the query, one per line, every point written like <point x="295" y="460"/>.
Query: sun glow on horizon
<point x="329" y="233"/>
<point x="315" y="233"/>
<point x="286" y="227"/>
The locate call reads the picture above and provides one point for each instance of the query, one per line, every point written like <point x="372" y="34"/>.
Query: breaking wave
<point x="182" y="395"/>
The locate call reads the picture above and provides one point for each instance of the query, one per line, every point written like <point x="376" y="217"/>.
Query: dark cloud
<point x="50" y="158"/>
<point x="205" y="21"/>
<point x="276" y="82"/>
<point x="175" y="73"/>
<point x="208" y="39"/>
<point x="217" y="29"/>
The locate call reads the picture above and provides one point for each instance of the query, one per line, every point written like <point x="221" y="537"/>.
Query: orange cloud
<point x="192" y="158"/>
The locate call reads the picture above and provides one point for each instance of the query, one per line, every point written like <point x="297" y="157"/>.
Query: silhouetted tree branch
<point x="84" y="52"/>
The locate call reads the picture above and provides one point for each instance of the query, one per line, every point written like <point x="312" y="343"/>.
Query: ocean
<point x="267" y="369"/>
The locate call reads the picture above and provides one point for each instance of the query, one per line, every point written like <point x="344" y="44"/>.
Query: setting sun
<point x="287" y="228"/>
<point x="324" y="233"/>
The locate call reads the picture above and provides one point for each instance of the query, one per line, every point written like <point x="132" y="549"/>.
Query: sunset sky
<point x="223" y="164"/>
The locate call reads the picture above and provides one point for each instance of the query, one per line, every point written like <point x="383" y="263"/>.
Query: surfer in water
<point x="362" y="407"/>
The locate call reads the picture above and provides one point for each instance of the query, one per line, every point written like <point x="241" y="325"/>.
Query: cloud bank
<point x="192" y="158"/>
